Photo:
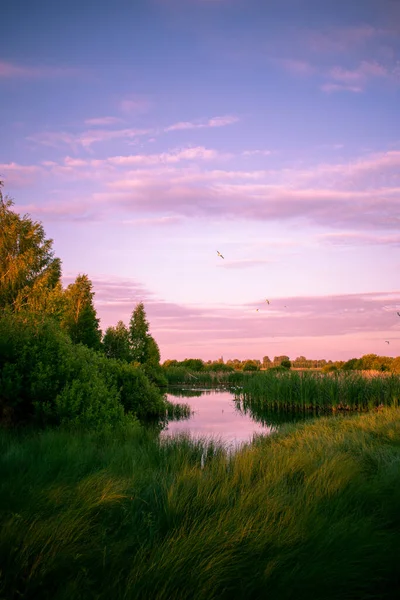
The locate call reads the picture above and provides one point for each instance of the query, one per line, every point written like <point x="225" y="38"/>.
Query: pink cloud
<point x="213" y="122"/>
<point x="18" y="176"/>
<point x="103" y="121"/>
<point x="297" y="67"/>
<point x="333" y="326"/>
<point x="11" y="70"/>
<point x="135" y="104"/>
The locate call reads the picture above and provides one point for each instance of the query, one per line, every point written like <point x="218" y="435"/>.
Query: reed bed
<point x="309" y="512"/>
<point x="185" y="376"/>
<point x="319" y="392"/>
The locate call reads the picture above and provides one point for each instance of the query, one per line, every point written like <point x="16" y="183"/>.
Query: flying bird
<point x="257" y="309"/>
<point x="267" y="301"/>
<point x="219" y="254"/>
<point x="387" y="342"/>
<point x="398" y="313"/>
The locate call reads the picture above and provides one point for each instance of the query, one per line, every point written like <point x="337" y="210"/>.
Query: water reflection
<point x="216" y="415"/>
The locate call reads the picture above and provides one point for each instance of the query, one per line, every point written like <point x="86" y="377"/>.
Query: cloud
<point x="18" y="176"/>
<point x="256" y="152"/>
<point x="11" y="70"/>
<point x="103" y="121"/>
<point x="339" y="87"/>
<point x="135" y="104"/>
<point x="358" y="239"/>
<point x="361" y="195"/>
<point x="89" y="137"/>
<point x="353" y="323"/>
<point x="213" y="122"/>
<point x="296" y="67"/>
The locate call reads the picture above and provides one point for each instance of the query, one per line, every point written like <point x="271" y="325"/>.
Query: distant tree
<point x="250" y="365"/>
<point x="266" y="362"/>
<point x="196" y="364"/>
<point x="352" y="365"/>
<point x="29" y="272"/>
<point x="278" y="359"/>
<point x="395" y="366"/>
<point x="286" y="363"/>
<point x="116" y="342"/>
<point x="170" y="363"/>
<point x="80" y="320"/>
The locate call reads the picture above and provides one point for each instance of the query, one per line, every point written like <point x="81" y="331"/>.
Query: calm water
<point x="217" y="415"/>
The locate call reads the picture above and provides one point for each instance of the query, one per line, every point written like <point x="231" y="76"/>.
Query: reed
<point x="318" y="392"/>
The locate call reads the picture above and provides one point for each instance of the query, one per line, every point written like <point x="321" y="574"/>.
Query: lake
<point x="217" y="415"/>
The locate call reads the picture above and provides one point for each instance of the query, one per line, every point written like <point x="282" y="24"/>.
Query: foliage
<point x="286" y="363"/>
<point x="139" y="334"/>
<point x="311" y="512"/>
<point x="29" y="272"/>
<point x="194" y="364"/>
<point x="45" y="377"/>
<point x="79" y="319"/>
<point x="116" y="342"/>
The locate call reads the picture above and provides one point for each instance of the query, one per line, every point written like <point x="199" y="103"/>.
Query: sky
<point x="146" y="135"/>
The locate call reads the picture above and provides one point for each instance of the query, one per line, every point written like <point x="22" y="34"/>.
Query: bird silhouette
<point x="387" y="342"/>
<point x="267" y="301"/>
<point x="398" y="313"/>
<point x="219" y="254"/>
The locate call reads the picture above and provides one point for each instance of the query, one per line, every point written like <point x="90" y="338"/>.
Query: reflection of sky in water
<point x="216" y="416"/>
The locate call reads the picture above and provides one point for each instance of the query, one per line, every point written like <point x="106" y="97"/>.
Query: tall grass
<point x="319" y="392"/>
<point x="310" y="512"/>
<point x="183" y="375"/>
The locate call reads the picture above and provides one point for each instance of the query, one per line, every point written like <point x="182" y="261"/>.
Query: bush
<point x="46" y="378"/>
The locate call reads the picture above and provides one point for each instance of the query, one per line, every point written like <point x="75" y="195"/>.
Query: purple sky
<point x="147" y="135"/>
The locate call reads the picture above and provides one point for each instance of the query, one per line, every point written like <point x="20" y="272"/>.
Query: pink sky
<point x="270" y="134"/>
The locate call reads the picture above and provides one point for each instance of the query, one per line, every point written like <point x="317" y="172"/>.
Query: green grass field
<point x="310" y="512"/>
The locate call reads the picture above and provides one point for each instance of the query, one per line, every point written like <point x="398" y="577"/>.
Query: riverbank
<point x="309" y="512"/>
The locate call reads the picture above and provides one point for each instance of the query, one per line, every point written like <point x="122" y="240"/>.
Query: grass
<point x="183" y="375"/>
<point x="311" y="511"/>
<point x="318" y="392"/>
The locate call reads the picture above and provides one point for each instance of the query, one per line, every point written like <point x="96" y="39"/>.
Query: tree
<point x="153" y="352"/>
<point x="29" y="273"/>
<point x="286" y="363"/>
<point x="266" y="362"/>
<point x="116" y="342"/>
<point x="139" y="334"/>
<point x="80" y="320"/>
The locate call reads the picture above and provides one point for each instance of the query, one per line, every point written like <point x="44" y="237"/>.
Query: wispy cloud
<point x="12" y="70"/>
<point x="103" y="121"/>
<point x="296" y="67"/>
<point x="213" y="122"/>
<point x="365" y="320"/>
<point x="135" y="104"/>
<point x="92" y="136"/>
<point x="361" y="195"/>
<point x="340" y="87"/>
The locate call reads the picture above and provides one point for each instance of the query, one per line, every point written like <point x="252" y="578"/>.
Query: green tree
<point x="286" y="363"/>
<point x="139" y="334"/>
<point x="29" y="272"/>
<point x="80" y="320"/>
<point x="116" y="342"/>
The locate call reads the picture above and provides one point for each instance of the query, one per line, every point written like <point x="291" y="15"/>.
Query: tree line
<point x="55" y="364"/>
